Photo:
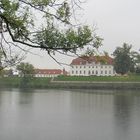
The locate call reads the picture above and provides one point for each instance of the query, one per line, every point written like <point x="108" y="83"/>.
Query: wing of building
<point x="93" y="65"/>
<point x="49" y="72"/>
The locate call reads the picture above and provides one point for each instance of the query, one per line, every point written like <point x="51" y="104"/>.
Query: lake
<point x="69" y="115"/>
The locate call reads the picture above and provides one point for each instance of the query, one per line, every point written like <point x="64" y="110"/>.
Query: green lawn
<point x="133" y="78"/>
<point x="39" y="82"/>
<point x="18" y="82"/>
<point x="10" y="81"/>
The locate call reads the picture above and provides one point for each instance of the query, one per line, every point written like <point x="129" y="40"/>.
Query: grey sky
<point x="117" y="21"/>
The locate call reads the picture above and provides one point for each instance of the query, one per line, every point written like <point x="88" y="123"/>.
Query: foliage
<point x="137" y="61"/>
<point x="26" y="72"/>
<point x="7" y="73"/>
<point x="123" y="61"/>
<point x="25" y="69"/>
<point x="45" y="24"/>
<point x="126" y="60"/>
<point x="138" y="69"/>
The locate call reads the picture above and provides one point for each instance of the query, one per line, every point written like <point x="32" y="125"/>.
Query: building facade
<point x="49" y="72"/>
<point x="92" y="66"/>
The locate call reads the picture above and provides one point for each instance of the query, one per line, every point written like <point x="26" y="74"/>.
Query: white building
<point x="93" y="65"/>
<point x="15" y="73"/>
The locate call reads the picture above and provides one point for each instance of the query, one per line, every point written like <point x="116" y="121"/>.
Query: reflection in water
<point x="125" y="106"/>
<point x="26" y="96"/>
<point x="13" y="96"/>
<point x="69" y="115"/>
<point x="88" y="103"/>
<point x="122" y="112"/>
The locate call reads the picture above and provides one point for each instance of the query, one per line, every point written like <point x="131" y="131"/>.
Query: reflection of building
<point x="49" y="72"/>
<point x="93" y="65"/>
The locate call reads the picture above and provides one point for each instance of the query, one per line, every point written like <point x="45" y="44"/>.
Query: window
<point x="84" y="72"/>
<point x="89" y="66"/>
<point x="80" y="67"/>
<point x="101" y="72"/>
<point x="80" y="72"/>
<point x="96" y="72"/>
<point x="93" y="72"/>
<point x="89" y="72"/>
<point x="76" y="72"/>
<point x="101" y="67"/>
<point x="92" y="66"/>
<point x="110" y="72"/>
<point x="84" y="66"/>
<point x="72" y="72"/>
<point x="105" y="71"/>
<point x="96" y="66"/>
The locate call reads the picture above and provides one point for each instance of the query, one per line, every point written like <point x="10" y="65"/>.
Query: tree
<point x="138" y="69"/>
<point x="9" y="60"/>
<point x="51" y="30"/>
<point x="137" y="63"/>
<point x="134" y="61"/>
<point x="26" y="72"/>
<point x="122" y="60"/>
<point x="25" y="69"/>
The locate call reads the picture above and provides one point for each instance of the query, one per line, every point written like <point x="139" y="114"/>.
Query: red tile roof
<point x="49" y="71"/>
<point x="86" y="59"/>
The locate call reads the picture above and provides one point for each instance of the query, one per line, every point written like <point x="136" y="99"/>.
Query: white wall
<point x="92" y="69"/>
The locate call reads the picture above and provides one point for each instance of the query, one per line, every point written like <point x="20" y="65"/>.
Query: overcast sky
<point x="118" y="21"/>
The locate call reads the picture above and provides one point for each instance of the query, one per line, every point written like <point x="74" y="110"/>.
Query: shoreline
<point x="94" y="85"/>
<point x="57" y="84"/>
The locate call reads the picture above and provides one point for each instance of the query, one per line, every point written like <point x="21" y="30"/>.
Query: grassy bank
<point x="130" y="78"/>
<point x="20" y="82"/>
<point x="74" y="82"/>
<point x="131" y="82"/>
<point x="9" y="81"/>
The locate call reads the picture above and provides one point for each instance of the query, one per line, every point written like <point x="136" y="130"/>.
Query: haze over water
<point x="69" y="115"/>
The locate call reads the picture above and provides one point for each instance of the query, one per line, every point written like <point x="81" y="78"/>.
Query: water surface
<point x="69" y="115"/>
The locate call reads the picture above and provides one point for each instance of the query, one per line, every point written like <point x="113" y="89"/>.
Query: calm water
<point x="69" y="115"/>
